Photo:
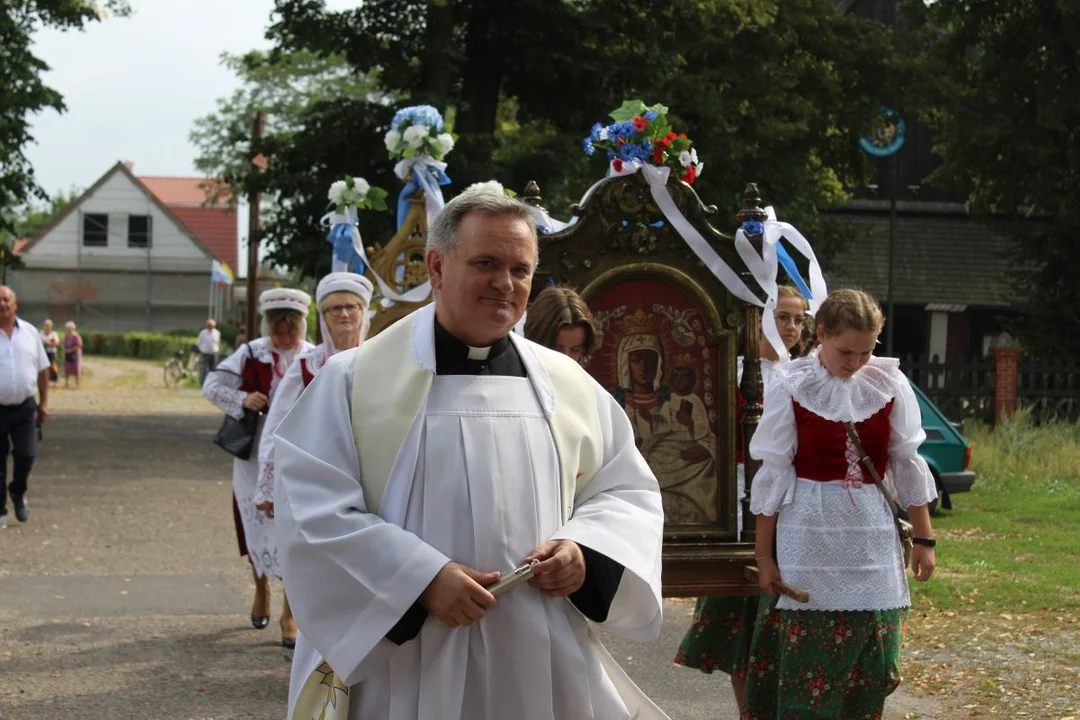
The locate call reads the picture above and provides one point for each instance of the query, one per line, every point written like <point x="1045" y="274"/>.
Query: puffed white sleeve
<point x="222" y="384"/>
<point x="287" y="393"/>
<point x="774" y="444"/>
<point x="907" y="470"/>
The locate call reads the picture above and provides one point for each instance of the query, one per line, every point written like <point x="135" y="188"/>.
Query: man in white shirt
<point x="23" y="365"/>
<point x="209" y="344"/>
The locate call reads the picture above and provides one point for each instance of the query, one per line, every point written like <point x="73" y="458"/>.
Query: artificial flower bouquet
<point x="357" y="193"/>
<point x="416" y="131"/>
<point x="642" y="133"/>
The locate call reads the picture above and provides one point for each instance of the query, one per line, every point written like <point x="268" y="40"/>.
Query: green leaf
<point x="659" y="109"/>
<point x="376" y="194"/>
<point x="378" y="203"/>
<point x="629" y="110"/>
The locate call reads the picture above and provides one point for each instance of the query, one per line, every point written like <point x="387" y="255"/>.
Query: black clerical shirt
<point x="602" y="574"/>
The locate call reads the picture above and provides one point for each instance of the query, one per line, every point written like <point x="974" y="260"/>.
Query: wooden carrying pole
<point x="253" y="229"/>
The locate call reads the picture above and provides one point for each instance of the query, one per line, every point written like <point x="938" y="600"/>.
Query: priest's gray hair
<point x="443" y="232"/>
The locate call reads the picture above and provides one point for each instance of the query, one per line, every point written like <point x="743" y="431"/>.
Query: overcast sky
<point x="134" y="86"/>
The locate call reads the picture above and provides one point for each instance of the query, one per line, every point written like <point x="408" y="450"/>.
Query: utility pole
<point x="253" y="229"/>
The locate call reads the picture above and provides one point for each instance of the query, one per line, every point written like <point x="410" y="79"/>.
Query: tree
<point x="23" y="92"/>
<point x="773" y="92"/>
<point x="1005" y="102"/>
<point x="281" y="85"/>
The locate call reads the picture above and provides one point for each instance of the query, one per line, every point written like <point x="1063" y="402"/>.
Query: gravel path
<point x="123" y="596"/>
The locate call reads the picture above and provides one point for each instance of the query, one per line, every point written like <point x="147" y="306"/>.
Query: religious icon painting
<point x="656" y="360"/>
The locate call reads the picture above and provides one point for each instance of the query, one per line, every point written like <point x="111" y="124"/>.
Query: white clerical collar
<point x="479" y="353"/>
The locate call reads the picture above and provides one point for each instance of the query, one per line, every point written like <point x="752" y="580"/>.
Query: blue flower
<point x="753" y="227"/>
<point x="650" y="115"/>
<point x="595" y="134"/>
<point x="587" y="145"/>
<point x="418" y="115"/>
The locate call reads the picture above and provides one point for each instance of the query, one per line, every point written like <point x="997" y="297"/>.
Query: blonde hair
<point x="552" y="310"/>
<point x="847" y="310"/>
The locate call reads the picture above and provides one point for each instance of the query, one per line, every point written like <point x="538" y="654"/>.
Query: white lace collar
<point x="852" y="400"/>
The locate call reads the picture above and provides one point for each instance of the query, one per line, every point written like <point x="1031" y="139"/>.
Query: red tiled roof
<point x="187" y="198"/>
<point x="19" y="245"/>
<point x="214" y="226"/>
<point x="185" y="190"/>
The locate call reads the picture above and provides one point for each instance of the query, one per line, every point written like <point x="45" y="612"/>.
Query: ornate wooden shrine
<point x="400" y="263"/>
<point x="669" y="354"/>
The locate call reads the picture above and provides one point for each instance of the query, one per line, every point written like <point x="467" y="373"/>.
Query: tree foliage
<point x="1005" y="101"/>
<point x="22" y="90"/>
<point x="773" y="92"/>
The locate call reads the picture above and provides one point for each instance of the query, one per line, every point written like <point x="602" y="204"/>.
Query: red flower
<point x="690" y="175"/>
<point x="617" y="164"/>
<point x="640" y="123"/>
<point x="668" y="138"/>
<point x="682" y="136"/>
<point x="658" y="156"/>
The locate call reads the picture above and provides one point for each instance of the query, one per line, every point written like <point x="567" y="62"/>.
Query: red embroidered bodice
<point x="258" y="376"/>
<point x="305" y="372"/>
<point x="822" y="444"/>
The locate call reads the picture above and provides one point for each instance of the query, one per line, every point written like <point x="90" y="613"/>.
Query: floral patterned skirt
<point x="719" y="638"/>
<point x="814" y="664"/>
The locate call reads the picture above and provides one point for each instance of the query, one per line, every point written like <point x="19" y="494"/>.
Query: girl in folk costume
<point x="838" y="655"/>
<point x="248" y="379"/>
<point x="342" y="299"/>
<point x="719" y="638"/>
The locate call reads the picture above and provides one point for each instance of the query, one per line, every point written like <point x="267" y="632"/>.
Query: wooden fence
<point x="1050" y="387"/>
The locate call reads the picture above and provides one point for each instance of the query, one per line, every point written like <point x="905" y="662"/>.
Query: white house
<point x="122" y="258"/>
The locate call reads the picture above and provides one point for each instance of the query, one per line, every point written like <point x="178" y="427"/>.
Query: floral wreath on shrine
<point x="643" y="134"/>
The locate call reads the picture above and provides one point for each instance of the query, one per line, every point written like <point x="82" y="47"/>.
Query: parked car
<point x="946" y="451"/>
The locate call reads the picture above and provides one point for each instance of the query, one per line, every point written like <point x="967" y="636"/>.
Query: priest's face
<point x="482" y="285"/>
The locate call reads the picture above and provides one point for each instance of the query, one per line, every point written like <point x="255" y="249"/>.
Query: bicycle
<point x="177" y="371"/>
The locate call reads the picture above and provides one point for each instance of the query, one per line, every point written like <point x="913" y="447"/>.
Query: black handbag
<point x="236" y="437"/>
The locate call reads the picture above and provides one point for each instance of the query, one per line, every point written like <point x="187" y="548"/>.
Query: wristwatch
<point x="928" y="542"/>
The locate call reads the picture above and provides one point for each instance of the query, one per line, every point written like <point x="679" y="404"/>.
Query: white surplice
<point x="477" y="480"/>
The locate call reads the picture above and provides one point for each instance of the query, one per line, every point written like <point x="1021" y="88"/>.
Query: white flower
<point x="699" y="169"/>
<point x="491" y="186"/>
<point x="445" y="143"/>
<point x="684" y="158"/>
<point x="414" y="136"/>
<point x="603" y="133"/>
<point x="392" y="139"/>
<point x="693" y="156"/>
<point x="336" y="191"/>
<point x="361" y="186"/>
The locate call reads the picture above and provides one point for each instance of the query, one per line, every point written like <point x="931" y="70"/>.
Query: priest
<point x="418" y="470"/>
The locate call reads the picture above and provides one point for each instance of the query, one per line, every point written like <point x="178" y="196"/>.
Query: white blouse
<point x="807" y="382"/>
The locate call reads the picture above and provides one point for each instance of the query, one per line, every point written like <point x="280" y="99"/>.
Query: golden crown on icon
<point x="638" y="322"/>
<point x="684" y="359"/>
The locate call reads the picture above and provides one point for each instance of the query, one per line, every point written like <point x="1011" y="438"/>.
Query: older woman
<point x="343" y="300"/>
<point x="559" y="319"/>
<point x="51" y="340"/>
<point x="73" y="346"/>
<point x="247" y="380"/>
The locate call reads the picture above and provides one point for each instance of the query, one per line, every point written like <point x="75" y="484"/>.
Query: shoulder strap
<point x="894" y="505"/>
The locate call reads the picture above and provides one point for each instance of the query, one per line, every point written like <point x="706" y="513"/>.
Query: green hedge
<point x="142" y="345"/>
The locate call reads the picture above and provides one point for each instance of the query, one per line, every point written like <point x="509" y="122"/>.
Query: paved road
<point x="123" y="596"/>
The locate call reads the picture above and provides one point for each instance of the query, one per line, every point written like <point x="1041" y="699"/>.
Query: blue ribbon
<point x="413" y="185"/>
<point x="340" y="236"/>
<point x="755" y="227"/>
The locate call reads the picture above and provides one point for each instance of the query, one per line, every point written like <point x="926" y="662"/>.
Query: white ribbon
<point x="433" y="197"/>
<point x="418" y="294"/>
<point x="764" y="268"/>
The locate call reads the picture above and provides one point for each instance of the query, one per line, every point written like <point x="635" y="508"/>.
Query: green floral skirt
<point x="818" y="665"/>
<point x="719" y="638"/>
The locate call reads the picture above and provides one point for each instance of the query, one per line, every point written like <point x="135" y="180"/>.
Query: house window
<point x="95" y="230"/>
<point x="139" y="231"/>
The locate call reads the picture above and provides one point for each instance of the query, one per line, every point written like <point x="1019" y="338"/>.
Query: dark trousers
<point x="207" y="363"/>
<point x="17" y="426"/>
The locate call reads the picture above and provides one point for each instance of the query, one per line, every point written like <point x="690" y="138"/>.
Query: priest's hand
<point x="457" y="596"/>
<point x="561" y="571"/>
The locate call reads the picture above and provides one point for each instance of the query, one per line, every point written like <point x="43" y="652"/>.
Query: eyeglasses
<point x="783" y="318"/>
<point x="339" y="310"/>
